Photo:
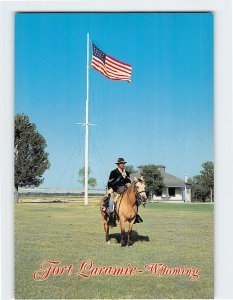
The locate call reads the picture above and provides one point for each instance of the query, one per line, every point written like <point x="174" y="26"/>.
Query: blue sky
<point x="165" y="116"/>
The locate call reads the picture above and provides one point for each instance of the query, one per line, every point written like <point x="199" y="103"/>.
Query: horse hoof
<point x="130" y="243"/>
<point x="123" y="244"/>
<point x="108" y="242"/>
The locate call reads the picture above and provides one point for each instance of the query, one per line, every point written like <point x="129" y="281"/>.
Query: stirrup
<point x="138" y="219"/>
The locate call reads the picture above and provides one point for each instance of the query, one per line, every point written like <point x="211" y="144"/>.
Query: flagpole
<point x="87" y="125"/>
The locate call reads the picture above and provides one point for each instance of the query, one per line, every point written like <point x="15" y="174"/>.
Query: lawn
<point x="177" y="235"/>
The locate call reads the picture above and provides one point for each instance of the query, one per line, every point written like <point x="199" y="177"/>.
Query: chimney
<point x="140" y="168"/>
<point x="186" y="178"/>
<point x="161" y="168"/>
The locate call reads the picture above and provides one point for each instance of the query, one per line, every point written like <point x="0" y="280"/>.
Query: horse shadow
<point x="135" y="237"/>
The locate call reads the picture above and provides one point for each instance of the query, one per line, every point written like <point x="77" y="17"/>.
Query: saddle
<point x="106" y="202"/>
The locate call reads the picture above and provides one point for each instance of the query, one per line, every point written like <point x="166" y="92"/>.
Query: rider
<point x="118" y="182"/>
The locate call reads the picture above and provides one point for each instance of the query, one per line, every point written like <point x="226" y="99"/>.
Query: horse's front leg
<point x="122" y="225"/>
<point x="106" y="229"/>
<point x="129" y="241"/>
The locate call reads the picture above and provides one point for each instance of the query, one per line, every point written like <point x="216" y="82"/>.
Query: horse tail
<point x="101" y="204"/>
<point x="103" y="213"/>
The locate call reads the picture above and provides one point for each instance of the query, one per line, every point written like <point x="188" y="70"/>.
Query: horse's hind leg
<point x="122" y="225"/>
<point x="129" y="241"/>
<point x="106" y="228"/>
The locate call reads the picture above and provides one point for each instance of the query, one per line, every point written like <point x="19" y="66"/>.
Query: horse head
<point x="140" y="191"/>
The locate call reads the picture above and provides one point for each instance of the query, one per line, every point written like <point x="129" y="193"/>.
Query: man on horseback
<point x="118" y="182"/>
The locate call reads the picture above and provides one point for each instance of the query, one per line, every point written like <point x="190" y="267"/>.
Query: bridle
<point x="139" y="198"/>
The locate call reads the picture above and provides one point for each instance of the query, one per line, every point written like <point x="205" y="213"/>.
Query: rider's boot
<point x="112" y="220"/>
<point x="138" y="219"/>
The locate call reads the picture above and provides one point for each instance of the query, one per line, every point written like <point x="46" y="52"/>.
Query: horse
<point x="126" y="209"/>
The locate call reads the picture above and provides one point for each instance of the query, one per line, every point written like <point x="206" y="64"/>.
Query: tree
<point x="199" y="189"/>
<point x="203" y="184"/>
<point x="91" y="181"/>
<point x="153" y="178"/>
<point x="208" y="177"/>
<point x="130" y="169"/>
<point x="31" y="160"/>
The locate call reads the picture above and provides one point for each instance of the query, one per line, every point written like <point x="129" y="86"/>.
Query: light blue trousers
<point x="111" y="205"/>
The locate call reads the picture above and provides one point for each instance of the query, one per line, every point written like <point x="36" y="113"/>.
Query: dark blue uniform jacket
<point x="116" y="179"/>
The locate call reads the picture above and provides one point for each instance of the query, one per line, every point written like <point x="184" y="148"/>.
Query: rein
<point x="138" y="196"/>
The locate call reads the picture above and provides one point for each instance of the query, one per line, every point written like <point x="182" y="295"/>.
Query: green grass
<point x="175" y="234"/>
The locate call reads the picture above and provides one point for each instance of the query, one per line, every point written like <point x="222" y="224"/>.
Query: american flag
<point x="109" y="66"/>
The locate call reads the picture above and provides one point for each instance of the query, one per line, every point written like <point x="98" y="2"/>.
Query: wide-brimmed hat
<point x="120" y="160"/>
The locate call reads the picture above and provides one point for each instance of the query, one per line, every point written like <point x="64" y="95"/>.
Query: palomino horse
<point x="126" y="208"/>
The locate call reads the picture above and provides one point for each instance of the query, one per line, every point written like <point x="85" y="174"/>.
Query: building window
<point x="171" y="191"/>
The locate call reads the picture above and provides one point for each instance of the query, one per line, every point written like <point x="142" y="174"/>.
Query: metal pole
<point x="86" y="125"/>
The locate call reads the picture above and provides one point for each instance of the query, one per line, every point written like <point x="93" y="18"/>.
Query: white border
<point x="223" y="121"/>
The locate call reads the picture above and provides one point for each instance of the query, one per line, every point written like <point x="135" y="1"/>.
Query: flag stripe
<point x="110" y="64"/>
<point x="114" y="70"/>
<point x="110" y="77"/>
<point x="119" y="62"/>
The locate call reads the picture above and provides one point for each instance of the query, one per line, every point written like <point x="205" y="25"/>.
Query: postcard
<point x="114" y="155"/>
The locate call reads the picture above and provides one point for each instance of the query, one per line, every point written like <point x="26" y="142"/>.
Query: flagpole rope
<point x="102" y="176"/>
<point x="75" y="164"/>
<point x="102" y="166"/>
<point x="91" y="153"/>
<point x="70" y="160"/>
